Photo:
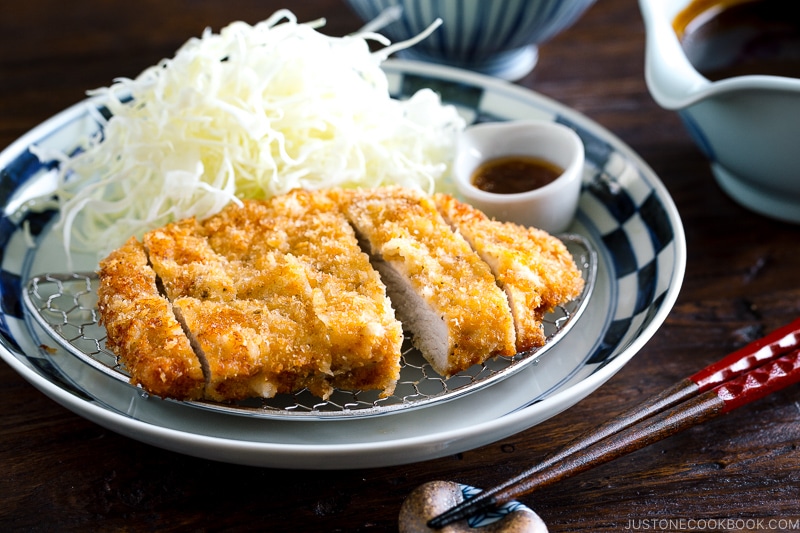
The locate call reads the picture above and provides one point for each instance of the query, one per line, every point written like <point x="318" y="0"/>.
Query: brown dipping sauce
<point x="514" y="174"/>
<point x="727" y="38"/>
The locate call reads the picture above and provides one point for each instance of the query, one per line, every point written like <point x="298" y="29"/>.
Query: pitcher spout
<point x="671" y="79"/>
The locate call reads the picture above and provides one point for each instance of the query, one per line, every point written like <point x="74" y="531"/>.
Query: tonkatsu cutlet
<point x="274" y="296"/>
<point x="534" y="268"/>
<point x="444" y="294"/>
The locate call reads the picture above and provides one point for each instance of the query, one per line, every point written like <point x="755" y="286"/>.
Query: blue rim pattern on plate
<point x="624" y="210"/>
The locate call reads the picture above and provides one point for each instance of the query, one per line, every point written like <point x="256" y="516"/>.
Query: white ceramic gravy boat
<point x="748" y="126"/>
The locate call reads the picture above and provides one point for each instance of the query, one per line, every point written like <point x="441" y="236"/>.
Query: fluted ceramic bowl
<point x="497" y="37"/>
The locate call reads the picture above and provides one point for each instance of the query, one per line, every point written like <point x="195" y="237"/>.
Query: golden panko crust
<point x="404" y="228"/>
<point x="275" y="296"/>
<point x="142" y="328"/>
<point x="534" y="268"/>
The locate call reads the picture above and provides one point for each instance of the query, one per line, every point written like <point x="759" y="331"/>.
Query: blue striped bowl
<point x="497" y="37"/>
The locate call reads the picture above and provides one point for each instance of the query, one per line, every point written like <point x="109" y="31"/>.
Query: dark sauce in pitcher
<point x="727" y="38"/>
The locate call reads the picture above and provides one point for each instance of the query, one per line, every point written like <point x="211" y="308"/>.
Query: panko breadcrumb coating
<point x="300" y="292"/>
<point x="534" y="268"/>
<point x="445" y="295"/>
<point x="142" y="328"/>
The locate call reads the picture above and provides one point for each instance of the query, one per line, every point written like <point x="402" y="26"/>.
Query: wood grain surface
<point x="738" y="472"/>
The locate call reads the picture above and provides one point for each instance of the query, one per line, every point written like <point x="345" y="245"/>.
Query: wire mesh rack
<point x="64" y="305"/>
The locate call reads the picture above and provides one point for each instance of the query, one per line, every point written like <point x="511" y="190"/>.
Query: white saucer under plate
<point x="625" y="211"/>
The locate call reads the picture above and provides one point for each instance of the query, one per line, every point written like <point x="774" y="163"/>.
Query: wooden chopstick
<point x="760" y="368"/>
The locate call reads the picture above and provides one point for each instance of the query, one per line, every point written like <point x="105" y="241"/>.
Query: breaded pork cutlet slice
<point x="444" y="294"/>
<point x="142" y="329"/>
<point x="277" y="296"/>
<point x="534" y="268"/>
<point x="348" y="295"/>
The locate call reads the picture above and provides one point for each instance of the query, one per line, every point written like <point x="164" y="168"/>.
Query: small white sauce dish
<point x="551" y="207"/>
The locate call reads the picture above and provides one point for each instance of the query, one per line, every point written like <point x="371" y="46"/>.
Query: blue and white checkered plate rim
<point x="625" y="213"/>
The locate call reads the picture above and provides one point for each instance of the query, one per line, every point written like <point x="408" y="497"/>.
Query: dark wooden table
<point x="741" y="471"/>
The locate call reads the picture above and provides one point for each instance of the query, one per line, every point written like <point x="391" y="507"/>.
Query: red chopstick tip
<point x="779" y="342"/>
<point x="761" y="381"/>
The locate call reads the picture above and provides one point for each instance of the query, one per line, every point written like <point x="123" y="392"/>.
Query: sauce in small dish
<point x="514" y="174"/>
<point x="527" y="171"/>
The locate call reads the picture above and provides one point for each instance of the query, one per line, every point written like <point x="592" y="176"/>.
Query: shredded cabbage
<point x="250" y="112"/>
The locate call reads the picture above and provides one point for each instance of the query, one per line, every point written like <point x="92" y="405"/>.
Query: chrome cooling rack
<point x="65" y="306"/>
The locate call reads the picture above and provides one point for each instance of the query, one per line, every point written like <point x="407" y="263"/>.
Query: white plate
<point x="625" y="211"/>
